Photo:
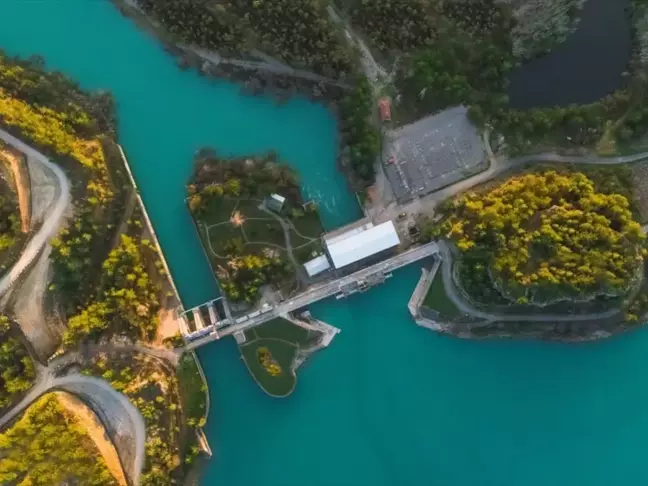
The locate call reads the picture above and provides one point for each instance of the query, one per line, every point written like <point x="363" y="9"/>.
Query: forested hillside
<point x="298" y="32"/>
<point x="548" y="235"/>
<point x="47" y="447"/>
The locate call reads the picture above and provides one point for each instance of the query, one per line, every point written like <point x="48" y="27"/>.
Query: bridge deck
<point x="321" y="291"/>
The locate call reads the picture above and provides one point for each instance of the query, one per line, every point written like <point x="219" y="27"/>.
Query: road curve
<point x="467" y="308"/>
<point x="52" y="220"/>
<point x="108" y="404"/>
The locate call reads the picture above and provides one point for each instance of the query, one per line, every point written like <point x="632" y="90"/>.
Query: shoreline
<point x="281" y="87"/>
<point x="278" y="81"/>
<point x="327" y="334"/>
<point x="511" y="330"/>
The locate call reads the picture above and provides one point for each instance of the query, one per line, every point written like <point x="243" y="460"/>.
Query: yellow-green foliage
<point x="550" y="230"/>
<point x="244" y="275"/>
<point x="17" y="371"/>
<point x="50" y="128"/>
<point x="153" y="389"/>
<point x="48" y="447"/>
<point x="130" y="299"/>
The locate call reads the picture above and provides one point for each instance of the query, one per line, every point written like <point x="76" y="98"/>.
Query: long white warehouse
<point x="360" y="243"/>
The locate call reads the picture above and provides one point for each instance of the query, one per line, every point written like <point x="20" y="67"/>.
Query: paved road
<point x="371" y="68"/>
<point x="52" y="220"/>
<point x="322" y="291"/>
<point x="112" y="407"/>
<point x="498" y="166"/>
<point x="467" y="308"/>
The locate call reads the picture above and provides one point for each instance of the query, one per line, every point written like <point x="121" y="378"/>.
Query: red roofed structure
<point x="385" y="109"/>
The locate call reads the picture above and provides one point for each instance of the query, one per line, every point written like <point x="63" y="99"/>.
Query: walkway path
<point x="498" y="166"/>
<point x="467" y="308"/>
<point x="374" y="71"/>
<point x="289" y="246"/>
<point x="113" y="408"/>
<point x="267" y="63"/>
<point x="51" y="222"/>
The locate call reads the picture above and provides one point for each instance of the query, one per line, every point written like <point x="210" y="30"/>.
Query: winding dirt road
<point x="113" y="408"/>
<point x="52" y="220"/>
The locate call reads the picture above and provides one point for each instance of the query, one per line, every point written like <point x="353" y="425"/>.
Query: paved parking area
<point x="432" y="153"/>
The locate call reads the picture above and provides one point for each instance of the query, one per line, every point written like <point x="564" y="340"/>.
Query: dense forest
<point x="548" y="235"/>
<point x="359" y="133"/>
<point x="47" y="446"/>
<point x="298" y="32"/>
<point x="17" y="371"/>
<point x="396" y="26"/>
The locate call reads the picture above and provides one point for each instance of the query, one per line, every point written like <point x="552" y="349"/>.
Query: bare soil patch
<point x="18" y="165"/>
<point x="96" y="431"/>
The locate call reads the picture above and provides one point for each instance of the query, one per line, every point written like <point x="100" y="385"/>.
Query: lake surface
<point x="586" y="67"/>
<point x="389" y="403"/>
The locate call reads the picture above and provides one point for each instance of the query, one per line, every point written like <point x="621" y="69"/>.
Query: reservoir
<point x="586" y="67"/>
<point x="389" y="403"/>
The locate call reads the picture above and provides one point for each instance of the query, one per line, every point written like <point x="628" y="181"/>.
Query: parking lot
<point x="432" y="153"/>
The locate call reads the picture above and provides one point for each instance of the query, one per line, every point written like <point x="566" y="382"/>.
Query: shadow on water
<point x="585" y="68"/>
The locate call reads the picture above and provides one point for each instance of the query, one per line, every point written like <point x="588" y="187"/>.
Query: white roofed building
<point x="361" y="243"/>
<point x="317" y="265"/>
<point x="275" y="202"/>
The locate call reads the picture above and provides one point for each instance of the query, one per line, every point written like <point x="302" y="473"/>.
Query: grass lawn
<point x="308" y="225"/>
<point x="282" y="329"/>
<point x="437" y="299"/>
<point x="219" y="236"/>
<point x="217" y="211"/>
<point x="249" y="208"/>
<point x="283" y="340"/>
<point x="264" y="231"/>
<point x="305" y="253"/>
<point x="192" y="388"/>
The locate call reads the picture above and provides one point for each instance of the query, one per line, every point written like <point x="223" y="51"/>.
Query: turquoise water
<point x="388" y="404"/>
<point x="165" y="115"/>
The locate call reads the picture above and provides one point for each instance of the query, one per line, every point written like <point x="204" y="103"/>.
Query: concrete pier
<point x="198" y="319"/>
<point x="213" y="317"/>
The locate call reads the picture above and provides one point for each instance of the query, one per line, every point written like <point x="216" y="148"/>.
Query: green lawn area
<point x="264" y="231"/>
<point x="254" y="230"/>
<point x="192" y="389"/>
<point x="219" y="236"/>
<point x="217" y="211"/>
<point x="249" y="208"/>
<point x="305" y="253"/>
<point x="282" y="329"/>
<point x="283" y="340"/>
<point x="309" y="225"/>
<point x="437" y="299"/>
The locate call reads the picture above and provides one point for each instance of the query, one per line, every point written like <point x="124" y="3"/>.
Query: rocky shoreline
<point x="253" y="81"/>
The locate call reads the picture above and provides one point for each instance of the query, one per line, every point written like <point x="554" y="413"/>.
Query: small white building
<point x="317" y="265"/>
<point x="360" y="243"/>
<point x="275" y="202"/>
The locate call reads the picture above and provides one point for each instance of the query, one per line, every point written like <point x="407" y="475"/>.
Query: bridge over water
<point x="340" y="287"/>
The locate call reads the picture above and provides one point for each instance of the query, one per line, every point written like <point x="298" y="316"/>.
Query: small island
<point x="254" y="224"/>
<point x="259" y="236"/>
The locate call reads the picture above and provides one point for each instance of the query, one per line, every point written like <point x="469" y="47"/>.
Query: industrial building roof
<point x="359" y="245"/>
<point x="317" y="265"/>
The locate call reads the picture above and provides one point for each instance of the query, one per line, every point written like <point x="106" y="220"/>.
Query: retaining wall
<point x="150" y="225"/>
